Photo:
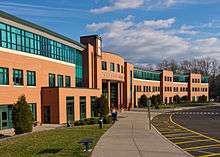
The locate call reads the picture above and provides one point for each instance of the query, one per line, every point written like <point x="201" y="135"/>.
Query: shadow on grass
<point x="63" y="153"/>
<point x="50" y="151"/>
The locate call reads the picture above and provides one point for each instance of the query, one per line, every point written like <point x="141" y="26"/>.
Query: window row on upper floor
<point x="120" y="68"/>
<point x="168" y="79"/>
<point x="197" y="89"/>
<point x="181" y="89"/>
<point x="146" y="75"/>
<point x="18" y="77"/>
<point x="195" y="80"/>
<point x="22" y="40"/>
<point x="147" y="88"/>
<point x="60" y="80"/>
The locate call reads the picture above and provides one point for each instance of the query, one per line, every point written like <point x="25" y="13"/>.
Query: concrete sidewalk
<point x="129" y="138"/>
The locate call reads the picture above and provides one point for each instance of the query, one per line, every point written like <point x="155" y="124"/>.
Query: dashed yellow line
<point x="185" y="142"/>
<point x="194" y="132"/>
<point x="185" y="137"/>
<point x="210" y="155"/>
<point x="199" y="147"/>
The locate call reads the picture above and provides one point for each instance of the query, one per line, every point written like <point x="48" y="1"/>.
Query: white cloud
<point x="159" y="23"/>
<point x="188" y="30"/>
<point x="119" y="5"/>
<point x="143" y="43"/>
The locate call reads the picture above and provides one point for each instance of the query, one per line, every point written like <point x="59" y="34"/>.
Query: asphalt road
<point x="203" y="120"/>
<point x="196" y="131"/>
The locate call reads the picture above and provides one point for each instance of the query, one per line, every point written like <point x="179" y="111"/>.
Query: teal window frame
<point x="67" y="81"/>
<point x="52" y="80"/>
<point x="112" y="67"/>
<point x="104" y="65"/>
<point x="31" y="78"/>
<point x="92" y="103"/>
<point x="82" y="107"/>
<point x="33" y="108"/>
<point x="60" y="80"/>
<point x="4" y="76"/>
<point x="18" y="77"/>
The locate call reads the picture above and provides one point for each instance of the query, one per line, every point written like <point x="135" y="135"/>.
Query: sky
<point x="142" y="31"/>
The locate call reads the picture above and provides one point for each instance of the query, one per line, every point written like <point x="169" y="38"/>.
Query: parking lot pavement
<point x="129" y="137"/>
<point x="192" y="130"/>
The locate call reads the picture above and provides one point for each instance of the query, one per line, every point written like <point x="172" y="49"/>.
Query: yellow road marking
<point x="212" y="139"/>
<point x="176" y="138"/>
<point x="213" y="154"/>
<point x="199" y="147"/>
<point x="184" y="142"/>
<point x="170" y="132"/>
<point x="178" y="134"/>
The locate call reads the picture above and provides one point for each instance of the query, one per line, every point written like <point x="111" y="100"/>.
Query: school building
<point x="61" y="78"/>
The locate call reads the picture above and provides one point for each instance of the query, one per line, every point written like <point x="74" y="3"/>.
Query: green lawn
<point x="59" y="142"/>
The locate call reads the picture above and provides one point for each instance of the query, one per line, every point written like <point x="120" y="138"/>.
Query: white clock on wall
<point x="99" y="48"/>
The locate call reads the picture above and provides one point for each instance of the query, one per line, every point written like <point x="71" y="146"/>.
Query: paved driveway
<point x="130" y="138"/>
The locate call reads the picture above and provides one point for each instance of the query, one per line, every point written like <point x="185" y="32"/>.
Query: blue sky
<point x="143" y="31"/>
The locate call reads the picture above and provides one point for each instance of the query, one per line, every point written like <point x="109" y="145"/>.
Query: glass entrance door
<point x="70" y="109"/>
<point x="4" y="117"/>
<point x="46" y="110"/>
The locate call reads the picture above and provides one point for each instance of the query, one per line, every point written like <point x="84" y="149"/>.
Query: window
<point x="92" y="105"/>
<point x="32" y="107"/>
<point x="118" y="67"/>
<point x="4" y="76"/>
<point x="31" y="78"/>
<point x="67" y="81"/>
<point x="122" y="69"/>
<point x="60" y="80"/>
<point x="104" y="65"/>
<point x="51" y="80"/>
<point x="82" y="107"/>
<point x="112" y="67"/>
<point x="18" y="77"/>
<point x="70" y="109"/>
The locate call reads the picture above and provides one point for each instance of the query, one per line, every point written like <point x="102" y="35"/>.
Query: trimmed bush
<point x="22" y="116"/>
<point x="107" y="120"/>
<point x="82" y="122"/>
<point x="76" y="123"/>
<point x="176" y="99"/>
<point x="202" y="99"/>
<point x="93" y="121"/>
<point x="101" y="107"/>
<point x="143" y="101"/>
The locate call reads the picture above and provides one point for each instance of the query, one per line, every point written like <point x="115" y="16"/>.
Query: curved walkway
<point x="129" y="137"/>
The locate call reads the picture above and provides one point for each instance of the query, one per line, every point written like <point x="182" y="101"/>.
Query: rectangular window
<point x="70" y="109"/>
<point x="60" y="80"/>
<point x="18" y="77"/>
<point x="104" y="65"/>
<point x="112" y="67"/>
<point x="4" y="76"/>
<point x="52" y="80"/>
<point x="122" y="69"/>
<point x="67" y="81"/>
<point x="118" y="67"/>
<point x="93" y="98"/>
<point x="82" y="107"/>
<point x="31" y="78"/>
<point x="32" y="107"/>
